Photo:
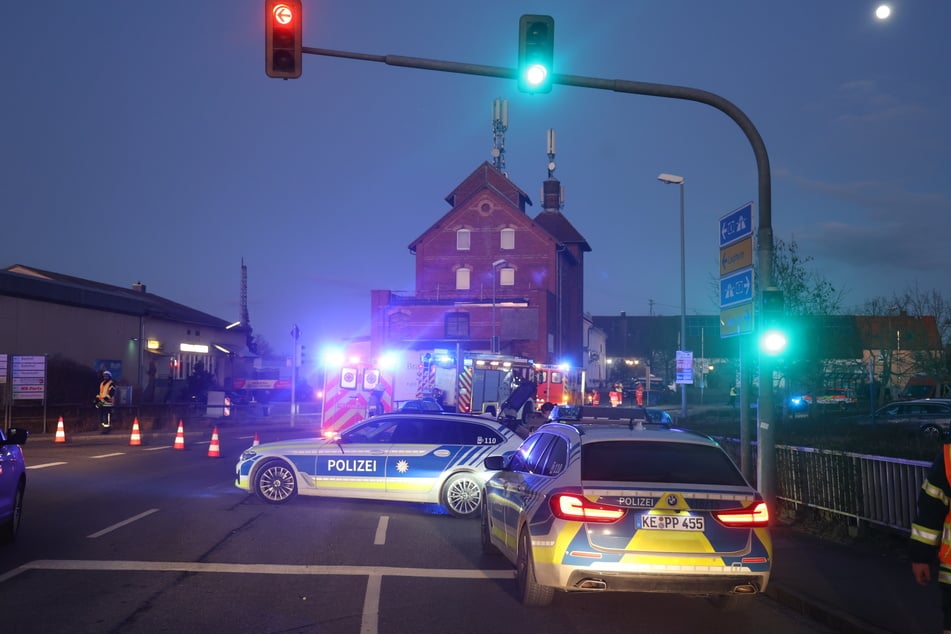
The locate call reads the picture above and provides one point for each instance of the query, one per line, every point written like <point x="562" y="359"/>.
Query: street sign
<point x="737" y="320"/>
<point x="685" y="367"/>
<point x="736" y="225"/>
<point x="736" y="256"/>
<point x="736" y="288"/>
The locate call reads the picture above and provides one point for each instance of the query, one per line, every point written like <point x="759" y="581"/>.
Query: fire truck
<point x="477" y="383"/>
<point x="559" y="384"/>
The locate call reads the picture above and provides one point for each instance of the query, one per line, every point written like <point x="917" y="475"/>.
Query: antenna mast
<point x="500" y="123"/>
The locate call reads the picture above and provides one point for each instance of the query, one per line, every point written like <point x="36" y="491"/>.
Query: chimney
<point x="551" y="195"/>
<point x="139" y="286"/>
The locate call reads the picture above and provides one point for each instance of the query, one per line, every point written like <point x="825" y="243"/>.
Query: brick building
<point x="489" y="278"/>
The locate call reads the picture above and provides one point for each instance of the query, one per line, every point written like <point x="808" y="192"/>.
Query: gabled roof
<point x="487" y="176"/>
<point x="555" y="223"/>
<point x="46" y="286"/>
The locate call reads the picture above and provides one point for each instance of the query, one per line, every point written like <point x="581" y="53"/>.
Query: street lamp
<point x="494" y="345"/>
<point x="670" y="179"/>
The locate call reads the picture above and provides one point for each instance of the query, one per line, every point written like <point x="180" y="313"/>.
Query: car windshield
<point x="660" y="462"/>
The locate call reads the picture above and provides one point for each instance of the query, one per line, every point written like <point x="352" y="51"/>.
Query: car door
<point x="422" y="449"/>
<point x="521" y="489"/>
<point x="355" y="464"/>
<point x="9" y="476"/>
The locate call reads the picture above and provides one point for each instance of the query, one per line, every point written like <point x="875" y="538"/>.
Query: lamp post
<point x="671" y="179"/>
<point x="493" y="345"/>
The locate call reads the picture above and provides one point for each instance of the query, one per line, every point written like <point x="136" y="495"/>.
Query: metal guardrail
<point x="867" y="489"/>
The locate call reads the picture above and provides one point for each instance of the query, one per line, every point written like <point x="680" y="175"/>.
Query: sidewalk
<point x="852" y="588"/>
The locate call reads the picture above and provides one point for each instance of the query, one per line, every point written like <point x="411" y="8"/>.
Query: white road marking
<point x="371" y="606"/>
<point x="256" y="569"/>
<point x="109" y="529"/>
<point x="380" y="537"/>
<point x="157" y="448"/>
<point x="47" y="464"/>
<point x="108" y="455"/>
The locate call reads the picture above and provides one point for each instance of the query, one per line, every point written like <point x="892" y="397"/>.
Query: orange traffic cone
<point x="257" y="440"/>
<point x="214" y="451"/>
<point x="60" y="431"/>
<point x="135" y="439"/>
<point x="180" y="436"/>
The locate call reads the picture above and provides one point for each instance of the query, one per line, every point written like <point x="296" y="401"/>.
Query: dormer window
<point x="463" y="240"/>
<point x="507" y="239"/>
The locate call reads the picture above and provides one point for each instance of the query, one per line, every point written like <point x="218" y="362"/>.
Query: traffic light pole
<point x="766" y="453"/>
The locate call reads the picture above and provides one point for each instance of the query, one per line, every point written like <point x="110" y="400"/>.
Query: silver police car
<point x="419" y="457"/>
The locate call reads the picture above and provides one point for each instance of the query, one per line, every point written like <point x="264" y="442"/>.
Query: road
<point x="120" y="538"/>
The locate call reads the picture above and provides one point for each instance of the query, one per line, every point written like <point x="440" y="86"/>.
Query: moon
<point x="883" y="12"/>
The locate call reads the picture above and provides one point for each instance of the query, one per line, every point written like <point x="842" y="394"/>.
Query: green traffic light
<point x="773" y="342"/>
<point x="536" y="45"/>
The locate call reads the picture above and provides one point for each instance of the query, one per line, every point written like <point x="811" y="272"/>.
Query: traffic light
<point x="282" y="38"/>
<point x="536" y="51"/>
<point x="774" y="337"/>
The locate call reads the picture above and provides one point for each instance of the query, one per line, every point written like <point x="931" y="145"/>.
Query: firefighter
<point x="931" y="531"/>
<point x="105" y="401"/>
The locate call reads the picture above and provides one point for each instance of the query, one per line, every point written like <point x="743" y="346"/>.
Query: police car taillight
<point x="568" y="506"/>
<point x="750" y="517"/>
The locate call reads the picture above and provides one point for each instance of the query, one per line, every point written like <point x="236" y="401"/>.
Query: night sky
<point x="142" y="142"/>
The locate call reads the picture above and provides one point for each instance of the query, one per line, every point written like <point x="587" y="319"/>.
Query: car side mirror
<point x="494" y="463"/>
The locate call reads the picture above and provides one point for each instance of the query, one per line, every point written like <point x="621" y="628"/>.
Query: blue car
<point x="12" y="482"/>
<point x="411" y="457"/>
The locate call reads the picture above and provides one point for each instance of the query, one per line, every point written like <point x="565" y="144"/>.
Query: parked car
<point x="431" y="458"/>
<point x="838" y="397"/>
<point x="931" y="416"/>
<point x="419" y="405"/>
<point x="12" y="482"/>
<point x="617" y="506"/>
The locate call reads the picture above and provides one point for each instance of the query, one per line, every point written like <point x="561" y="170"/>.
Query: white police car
<point x="614" y="506"/>
<point x="430" y="458"/>
<point x="12" y="482"/>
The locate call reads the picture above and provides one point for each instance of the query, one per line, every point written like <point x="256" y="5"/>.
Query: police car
<point x="429" y="458"/>
<point x="624" y="506"/>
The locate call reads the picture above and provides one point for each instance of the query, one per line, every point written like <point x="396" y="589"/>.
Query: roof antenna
<point x="500" y="123"/>
<point x="551" y="153"/>
<point x="553" y="194"/>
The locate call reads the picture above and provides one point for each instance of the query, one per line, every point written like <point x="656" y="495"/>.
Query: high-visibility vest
<point x="944" y="552"/>
<point x="105" y="393"/>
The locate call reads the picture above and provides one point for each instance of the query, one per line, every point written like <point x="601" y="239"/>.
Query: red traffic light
<point x="282" y="39"/>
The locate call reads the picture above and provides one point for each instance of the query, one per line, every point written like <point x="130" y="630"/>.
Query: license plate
<point x="670" y="522"/>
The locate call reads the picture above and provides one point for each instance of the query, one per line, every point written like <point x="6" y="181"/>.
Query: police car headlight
<point x="247" y="454"/>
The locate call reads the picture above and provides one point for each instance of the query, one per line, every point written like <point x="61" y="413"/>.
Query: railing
<point x="870" y="489"/>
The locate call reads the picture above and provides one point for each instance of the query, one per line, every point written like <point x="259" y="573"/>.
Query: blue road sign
<point x="736" y="288"/>
<point x="736" y="225"/>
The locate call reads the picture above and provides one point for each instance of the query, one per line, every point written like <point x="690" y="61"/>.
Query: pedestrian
<point x="931" y="531"/>
<point x="105" y="401"/>
<point x="732" y="401"/>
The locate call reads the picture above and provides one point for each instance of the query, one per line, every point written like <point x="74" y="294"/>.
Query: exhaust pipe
<point x="746" y="588"/>
<point x="591" y="584"/>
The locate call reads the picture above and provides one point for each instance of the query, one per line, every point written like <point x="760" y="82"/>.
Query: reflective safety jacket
<point x="107" y="393"/>
<point x="931" y="530"/>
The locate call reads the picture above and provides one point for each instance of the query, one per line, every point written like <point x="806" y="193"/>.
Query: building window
<point x="462" y="279"/>
<point x="508" y="239"/>
<point x="463" y="240"/>
<point x="457" y="325"/>
<point x="507" y="277"/>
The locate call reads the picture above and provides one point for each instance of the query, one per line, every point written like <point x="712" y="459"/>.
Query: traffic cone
<point x="213" y="450"/>
<point x="60" y="431"/>
<point x="180" y="436"/>
<point x="257" y="440"/>
<point x="135" y="439"/>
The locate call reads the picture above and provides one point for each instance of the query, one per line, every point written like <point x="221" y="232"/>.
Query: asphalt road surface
<point x="120" y="538"/>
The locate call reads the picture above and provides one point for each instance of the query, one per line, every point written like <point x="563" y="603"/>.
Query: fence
<point x="866" y="489"/>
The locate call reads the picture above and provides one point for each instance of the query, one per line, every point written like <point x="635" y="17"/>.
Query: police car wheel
<point x="274" y="482"/>
<point x="529" y="591"/>
<point x="488" y="548"/>
<point x="462" y="495"/>
<point x="9" y="529"/>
